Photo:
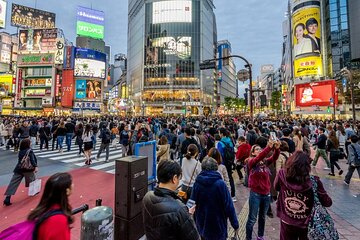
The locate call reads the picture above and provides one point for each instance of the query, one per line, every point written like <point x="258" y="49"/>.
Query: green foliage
<point x="275" y="100"/>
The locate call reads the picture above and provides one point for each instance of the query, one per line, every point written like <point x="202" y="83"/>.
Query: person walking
<point x="353" y="158"/>
<point x="78" y="137"/>
<point x="332" y="147"/>
<point x="3" y="133"/>
<point x="242" y="153"/>
<point x="164" y="215"/>
<point x="298" y="139"/>
<point x="26" y="155"/>
<point x="45" y="136"/>
<point x="215" y="154"/>
<point x="88" y="143"/>
<point x="105" y="136"/>
<point x="259" y="184"/>
<point x="125" y="138"/>
<point x="33" y="132"/>
<point x="341" y="136"/>
<point x="214" y="205"/>
<point x="70" y="129"/>
<point x="321" y="149"/>
<point x="55" y="200"/>
<point x="54" y="126"/>
<point x="294" y="185"/>
<point x="191" y="168"/>
<point x="163" y="152"/>
<point x="61" y="133"/>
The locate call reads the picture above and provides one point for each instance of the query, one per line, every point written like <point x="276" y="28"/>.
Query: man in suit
<point x="312" y="27"/>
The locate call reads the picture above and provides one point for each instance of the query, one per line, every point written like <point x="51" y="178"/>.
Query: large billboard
<point x="67" y="88"/>
<point x="306" y="32"/>
<point x="316" y="94"/>
<point x="178" y="46"/>
<point x="90" y="23"/>
<point x="89" y="63"/>
<point x="26" y="17"/>
<point x="6" y="82"/>
<point x="38" y="40"/>
<point x="172" y="11"/>
<point x="2" y="14"/>
<point x="88" y="89"/>
<point x="35" y="59"/>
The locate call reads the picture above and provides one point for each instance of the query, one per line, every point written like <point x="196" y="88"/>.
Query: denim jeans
<point x="60" y="140"/>
<point x="258" y="205"/>
<point x="68" y="141"/>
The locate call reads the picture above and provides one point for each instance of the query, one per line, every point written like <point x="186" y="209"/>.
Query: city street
<point x="97" y="181"/>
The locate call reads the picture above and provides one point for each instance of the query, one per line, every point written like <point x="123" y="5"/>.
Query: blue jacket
<point x="213" y="206"/>
<point x="221" y="145"/>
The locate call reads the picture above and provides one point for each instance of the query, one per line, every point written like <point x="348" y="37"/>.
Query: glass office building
<point x="166" y="42"/>
<point x="337" y="35"/>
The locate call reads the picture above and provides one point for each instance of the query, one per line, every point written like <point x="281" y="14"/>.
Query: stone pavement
<point x="346" y="202"/>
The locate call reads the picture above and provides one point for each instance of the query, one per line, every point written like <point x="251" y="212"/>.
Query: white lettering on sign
<point x="91" y="30"/>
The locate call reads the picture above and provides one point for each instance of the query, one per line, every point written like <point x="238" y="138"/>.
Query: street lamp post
<point x="350" y="76"/>
<point x="143" y="108"/>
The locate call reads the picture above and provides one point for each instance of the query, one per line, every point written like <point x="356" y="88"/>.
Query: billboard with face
<point x="26" y="17"/>
<point x="38" y="40"/>
<point x="315" y="94"/>
<point x="306" y="31"/>
<point x="89" y="68"/>
<point x="88" y="89"/>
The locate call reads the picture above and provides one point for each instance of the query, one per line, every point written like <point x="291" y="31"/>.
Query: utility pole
<point x="350" y="76"/>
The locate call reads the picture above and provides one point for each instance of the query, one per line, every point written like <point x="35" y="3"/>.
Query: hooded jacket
<point x="166" y="217"/>
<point x="295" y="202"/>
<point x="221" y="147"/>
<point x="213" y="206"/>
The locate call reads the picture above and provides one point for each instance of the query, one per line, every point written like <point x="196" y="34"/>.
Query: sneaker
<point x="347" y="183"/>
<point x="331" y="174"/>
<point x="313" y="166"/>
<point x="107" y="160"/>
<point x="340" y="172"/>
<point x="270" y="214"/>
<point x="260" y="238"/>
<point x="326" y="168"/>
<point x="234" y="199"/>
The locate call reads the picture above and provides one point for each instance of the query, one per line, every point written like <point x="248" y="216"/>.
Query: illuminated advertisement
<point x="315" y="94"/>
<point x="178" y="46"/>
<point x="38" y="82"/>
<point x="67" y="88"/>
<point x="69" y="57"/>
<point x="90" y="23"/>
<point x="2" y="13"/>
<point x="35" y="59"/>
<point x="306" y="32"/>
<point x="6" y="82"/>
<point x="87" y="106"/>
<point x="89" y="68"/>
<point x="172" y="11"/>
<point x="26" y="17"/>
<point x="89" y="89"/>
<point x="42" y="40"/>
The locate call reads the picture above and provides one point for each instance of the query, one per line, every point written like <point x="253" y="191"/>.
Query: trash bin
<point x="97" y="223"/>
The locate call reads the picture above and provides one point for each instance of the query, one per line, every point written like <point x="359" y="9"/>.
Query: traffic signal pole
<point x="248" y="66"/>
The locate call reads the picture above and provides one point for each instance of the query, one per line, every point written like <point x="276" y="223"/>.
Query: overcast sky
<point x="254" y="27"/>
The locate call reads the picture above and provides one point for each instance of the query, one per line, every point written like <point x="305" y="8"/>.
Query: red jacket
<point x="243" y="152"/>
<point x="55" y="227"/>
<point x="259" y="174"/>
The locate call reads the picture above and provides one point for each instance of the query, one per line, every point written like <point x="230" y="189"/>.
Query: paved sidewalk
<point x="346" y="202"/>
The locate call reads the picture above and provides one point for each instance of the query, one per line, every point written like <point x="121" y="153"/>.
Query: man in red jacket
<point x="243" y="152"/>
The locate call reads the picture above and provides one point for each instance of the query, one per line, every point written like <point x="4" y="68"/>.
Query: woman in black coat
<point x="20" y="173"/>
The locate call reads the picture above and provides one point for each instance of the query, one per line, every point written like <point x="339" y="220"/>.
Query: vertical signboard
<point x="2" y="13"/>
<point x="306" y="32"/>
<point x="90" y="23"/>
<point x="59" y="54"/>
<point x="69" y="57"/>
<point x="67" y="88"/>
<point x="19" y="84"/>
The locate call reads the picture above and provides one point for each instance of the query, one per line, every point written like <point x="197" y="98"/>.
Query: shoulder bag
<point x="25" y="163"/>
<point x="183" y="194"/>
<point x="321" y="225"/>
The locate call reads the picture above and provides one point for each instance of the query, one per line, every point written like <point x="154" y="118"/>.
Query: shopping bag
<point x="34" y="187"/>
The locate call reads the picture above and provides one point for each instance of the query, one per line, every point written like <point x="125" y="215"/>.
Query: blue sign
<point x="80" y="89"/>
<point x="90" y="16"/>
<point x="344" y="82"/>
<point x="90" y="54"/>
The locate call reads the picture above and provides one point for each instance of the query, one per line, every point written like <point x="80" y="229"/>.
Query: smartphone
<point x="190" y="203"/>
<point x="273" y="136"/>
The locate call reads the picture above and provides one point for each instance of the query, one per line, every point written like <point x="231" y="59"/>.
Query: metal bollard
<point x="82" y="208"/>
<point x="98" y="202"/>
<point x="97" y="223"/>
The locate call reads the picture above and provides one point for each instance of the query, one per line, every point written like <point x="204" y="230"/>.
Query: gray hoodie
<point x="352" y="156"/>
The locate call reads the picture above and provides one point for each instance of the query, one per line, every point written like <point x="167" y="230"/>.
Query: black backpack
<point x="106" y="136"/>
<point x="229" y="154"/>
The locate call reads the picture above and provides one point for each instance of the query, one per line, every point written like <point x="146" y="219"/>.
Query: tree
<point x="275" y="101"/>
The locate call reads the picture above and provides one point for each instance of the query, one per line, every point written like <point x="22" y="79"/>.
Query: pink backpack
<point x="26" y="230"/>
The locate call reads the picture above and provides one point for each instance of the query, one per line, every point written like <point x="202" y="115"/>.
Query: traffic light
<point x="328" y="110"/>
<point x="246" y="98"/>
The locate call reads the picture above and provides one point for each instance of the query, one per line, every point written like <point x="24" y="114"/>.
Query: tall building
<point x="167" y="40"/>
<point x="337" y="35"/>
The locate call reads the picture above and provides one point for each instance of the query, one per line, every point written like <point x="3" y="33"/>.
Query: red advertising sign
<point x="19" y="84"/>
<point x="67" y="88"/>
<point x="57" y="85"/>
<point x="316" y="94"/>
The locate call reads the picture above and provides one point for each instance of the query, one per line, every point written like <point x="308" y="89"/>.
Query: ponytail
<point x="192" y="151"/>
<point x="188" y="155"/>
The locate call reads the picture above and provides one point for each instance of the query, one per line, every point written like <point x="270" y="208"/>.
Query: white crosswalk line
<point x="75" y="155"/>
<point x="112" y="171"/>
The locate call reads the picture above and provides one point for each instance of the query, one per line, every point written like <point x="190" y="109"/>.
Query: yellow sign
<point x="306" y="29"/>
<point x="6" y="83"/>
<point x="308" y="66"/>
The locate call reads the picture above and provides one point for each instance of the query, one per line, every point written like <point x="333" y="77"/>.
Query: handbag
<point x="34" y="187"/>
<point x="321" y="225"/>
<point x="25" y="163"/>
<point x="183" y="194"/>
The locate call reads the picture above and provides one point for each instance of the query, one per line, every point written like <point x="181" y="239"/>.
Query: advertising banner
<point x="6" y="82"/>
<point x="69" y="61"/>
<point x="87" y="106"/>
<point x="89" y="68"/>
<point x="19" y="84"/>
<point x="89" y="89"/>
<point x="90" y="23"/>
<point x="178" y="46"/>
<point x="172" y="11"/>
<point x="90" y="54"/>
<point x="26" y="17"/>
<point x="35" y="59"/>
<point x="306" y="32"/>
<point x="67" y="88"/>
<point x="38" y="40"/>
<point x="2" y="14"/>
<point x="59" y="54"/>
<point x="316" y="94"/>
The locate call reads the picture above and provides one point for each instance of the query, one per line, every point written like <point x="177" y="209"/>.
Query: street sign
<point x="331" y="100"/>
<point x="243" y="75"/>
<point x="207" y="65"/>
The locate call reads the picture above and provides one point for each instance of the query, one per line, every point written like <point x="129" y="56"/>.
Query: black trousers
<point x="231" y="179"/>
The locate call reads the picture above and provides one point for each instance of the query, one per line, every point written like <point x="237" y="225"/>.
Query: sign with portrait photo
<point x="38" y="40"/>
